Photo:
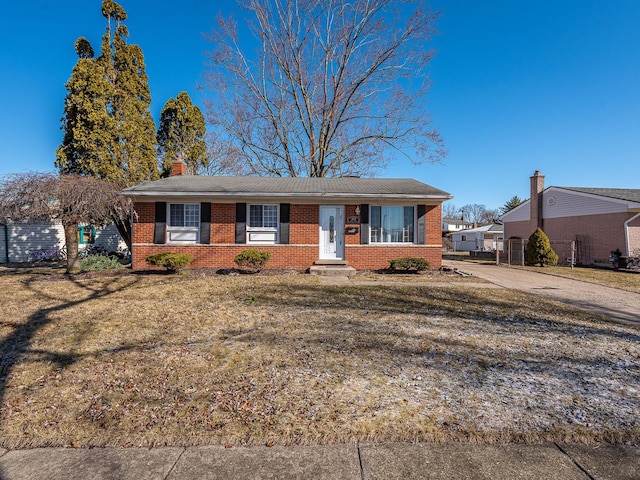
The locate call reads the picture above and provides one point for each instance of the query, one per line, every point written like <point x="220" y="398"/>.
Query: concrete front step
<point x="334" y="263"/>
<point x="332" y="270"/>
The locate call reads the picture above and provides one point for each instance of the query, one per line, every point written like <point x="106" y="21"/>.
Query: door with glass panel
<point x="331" y="232"/>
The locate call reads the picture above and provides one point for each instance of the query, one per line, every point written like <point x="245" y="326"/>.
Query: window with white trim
<point x="183" y="224"/>
<point x="262" y="226"/>
<point x="392" y="224"/>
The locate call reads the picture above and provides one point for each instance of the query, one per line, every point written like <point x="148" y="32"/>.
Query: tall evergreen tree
<point x="512" y="203"/>
<point x="108" y="128"/>
<point x="181" y="134"/>
<point x="109" y="132"/>
<point x="133" y="140"/>
<point x="85" y="148"/>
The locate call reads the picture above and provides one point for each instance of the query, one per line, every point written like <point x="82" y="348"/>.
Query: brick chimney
<point x="178" y="167"/>
<point x="537" y="186"/>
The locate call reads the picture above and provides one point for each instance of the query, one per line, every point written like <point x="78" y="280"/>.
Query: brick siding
<point x="299" y="254"/>
<point x="605" y="232"/>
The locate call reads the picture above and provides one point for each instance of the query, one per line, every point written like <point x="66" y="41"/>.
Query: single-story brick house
<point x="599" y="220"/>
<point x="364" y="222"/>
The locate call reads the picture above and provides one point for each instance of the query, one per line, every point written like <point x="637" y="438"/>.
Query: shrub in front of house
<point x="409" y="264"/>
<point x="173" y="262"/>
<point x="99" y="262"/>
<point x="539" y="251"/>
<point x="252" y="259"/>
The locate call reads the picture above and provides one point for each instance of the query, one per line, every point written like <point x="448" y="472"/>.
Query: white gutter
<point x="626" y="233"/>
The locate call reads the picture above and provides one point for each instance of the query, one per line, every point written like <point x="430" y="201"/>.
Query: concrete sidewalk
<point x="350" y="461"/>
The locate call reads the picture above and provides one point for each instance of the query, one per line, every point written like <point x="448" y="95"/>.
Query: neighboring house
<point x="17" y="239"/>
<point x="486" y="238"/>
<point x="302" y="221"/>
<point x="599" y="220"/>
<point x="455" y="224"/>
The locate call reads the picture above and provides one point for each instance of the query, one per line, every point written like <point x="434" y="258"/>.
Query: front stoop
<point x="339" y="268"/>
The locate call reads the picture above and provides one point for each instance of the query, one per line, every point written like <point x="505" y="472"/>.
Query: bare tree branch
<point x="335" y="88"/>
<point x="72" y="200"/>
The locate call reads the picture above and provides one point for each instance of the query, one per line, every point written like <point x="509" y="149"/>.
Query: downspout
<point x="626" y="233"/>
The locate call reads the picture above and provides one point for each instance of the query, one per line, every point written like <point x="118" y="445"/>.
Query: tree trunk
<point x="71" y="241"/>
<point x="124" y="228"/>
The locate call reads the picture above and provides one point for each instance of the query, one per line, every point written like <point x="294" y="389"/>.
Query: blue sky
<point x="518" y="86"/>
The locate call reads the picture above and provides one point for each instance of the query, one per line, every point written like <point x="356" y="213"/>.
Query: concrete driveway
<point x="615" y="304"/>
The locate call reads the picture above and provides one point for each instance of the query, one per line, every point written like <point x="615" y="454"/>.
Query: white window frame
<point x="261" y="235"/>
<point x="180" y="234"/>
<point x="405" y="240"/>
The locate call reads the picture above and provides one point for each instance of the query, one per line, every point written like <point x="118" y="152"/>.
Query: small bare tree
<point x="334" y="88"/>
<point x="449" y="210"/>
<point x="71" y="199"/>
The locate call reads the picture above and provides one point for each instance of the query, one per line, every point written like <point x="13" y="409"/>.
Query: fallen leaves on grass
<point x="175" y="360"/>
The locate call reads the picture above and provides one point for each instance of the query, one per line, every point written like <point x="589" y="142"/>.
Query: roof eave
<point x="227" y="195"/>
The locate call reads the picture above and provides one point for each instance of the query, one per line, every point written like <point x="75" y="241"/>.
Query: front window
<point x="263" y="216"/>
<point x="184" y="222"/>
<point x="263" y="224"/>
<point x="392" y="224"/>
<point x="184" y="215"/>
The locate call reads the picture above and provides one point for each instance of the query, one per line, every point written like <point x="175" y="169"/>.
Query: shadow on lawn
<point x="462" y="302"/>
<point x="17" y="344"/>
<point x="351" y="325"/>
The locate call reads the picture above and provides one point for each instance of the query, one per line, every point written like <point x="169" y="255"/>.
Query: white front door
<point x="331" y="232"/>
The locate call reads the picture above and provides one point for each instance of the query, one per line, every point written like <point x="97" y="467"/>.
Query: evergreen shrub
<point x="99" y="262"/>
<point x="253" y="259"/>
<point x="539" y="251"/>
<point x="407" y="264"/>
<point x="173" y="262"/>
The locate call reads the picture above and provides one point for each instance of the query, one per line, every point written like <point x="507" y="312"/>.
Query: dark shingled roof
<point x="287" y="186"/>
<point x="628" y="194"/>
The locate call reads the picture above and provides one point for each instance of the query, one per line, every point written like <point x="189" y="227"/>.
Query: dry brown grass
<point x="184" y="360"/>
<point x="622" y="279"/>
<point x="426" y="277"/>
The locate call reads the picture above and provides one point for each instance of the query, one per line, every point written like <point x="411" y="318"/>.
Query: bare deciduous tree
<point x="475" y="213"/>
<point x="71" y="199"/>
<point x="334" y="88"/>
<point x="490" y="215"/>
<point x="224" y="158"/>
<point x="449" y="210"/>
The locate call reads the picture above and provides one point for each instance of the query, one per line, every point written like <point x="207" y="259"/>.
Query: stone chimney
<point x="537" y="186"/>
<point x="178" y="167"/>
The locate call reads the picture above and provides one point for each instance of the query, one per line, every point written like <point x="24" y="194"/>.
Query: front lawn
<point x="142" y="360"/>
